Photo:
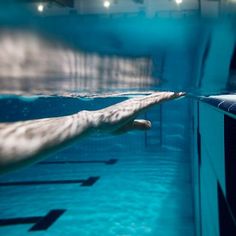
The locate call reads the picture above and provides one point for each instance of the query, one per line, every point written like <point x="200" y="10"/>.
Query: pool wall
<point x="213" y="170"/>
<point x="214" y="135"/>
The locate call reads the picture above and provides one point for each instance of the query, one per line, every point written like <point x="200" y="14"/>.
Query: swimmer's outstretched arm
<point x="117" y="116"/>
<point x="23" y="143"/>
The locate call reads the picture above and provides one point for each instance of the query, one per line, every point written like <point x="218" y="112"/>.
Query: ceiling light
<point x="106" y="4"/>
<point x="178" y="1"/>
<point x="40" y="7"/>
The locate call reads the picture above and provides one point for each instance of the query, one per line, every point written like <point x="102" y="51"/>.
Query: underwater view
<point x="117" y="118"/>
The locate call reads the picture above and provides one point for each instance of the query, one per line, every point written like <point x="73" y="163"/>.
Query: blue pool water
<point x="144" y="184"/>
<point x="152" y="183"/>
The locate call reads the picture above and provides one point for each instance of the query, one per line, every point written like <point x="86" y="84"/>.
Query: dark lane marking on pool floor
<point x="40" y="222"/>
<point x="109" y="162"/>
<point x="84" y="182"/>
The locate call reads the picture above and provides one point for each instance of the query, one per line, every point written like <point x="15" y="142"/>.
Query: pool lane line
<point x="84" y="182"/>
<point x="40" y="222"/>
<point x="108" y="162"/>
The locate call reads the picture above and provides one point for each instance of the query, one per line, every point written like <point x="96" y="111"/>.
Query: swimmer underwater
<point x="24" y="143"/>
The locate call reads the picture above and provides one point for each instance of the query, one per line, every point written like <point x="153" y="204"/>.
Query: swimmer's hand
<point x="181" y="94"/>
<point x="177" y="95"/>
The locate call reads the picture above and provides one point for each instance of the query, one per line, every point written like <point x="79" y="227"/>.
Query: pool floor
<point x="121" y="193"/>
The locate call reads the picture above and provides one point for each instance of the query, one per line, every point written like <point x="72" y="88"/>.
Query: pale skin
<point x="24" y="143"/>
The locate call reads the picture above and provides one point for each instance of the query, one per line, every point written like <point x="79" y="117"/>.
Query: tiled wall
<point x="214" y="171"/>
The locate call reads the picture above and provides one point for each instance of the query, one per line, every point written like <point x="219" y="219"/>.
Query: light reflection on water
<point x="30" y="63"/>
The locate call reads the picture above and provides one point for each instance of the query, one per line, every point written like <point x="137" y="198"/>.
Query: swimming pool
<point x="61" y="57"/>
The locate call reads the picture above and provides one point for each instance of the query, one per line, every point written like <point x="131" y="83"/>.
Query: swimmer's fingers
<point x="177" y="95"/>
<point x="173" y="95"/>
<point x="180" y="94"/>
